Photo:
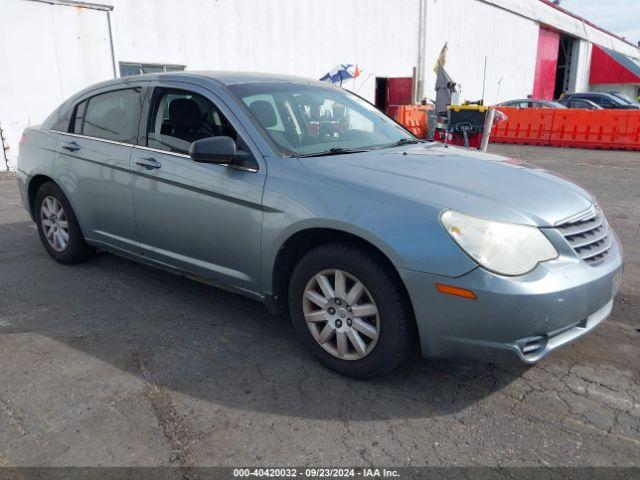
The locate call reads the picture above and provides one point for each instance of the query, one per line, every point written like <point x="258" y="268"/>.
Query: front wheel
<point x="349" y="310"/>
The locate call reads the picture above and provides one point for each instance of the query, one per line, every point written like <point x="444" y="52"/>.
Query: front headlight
<point x="504" y="248"/>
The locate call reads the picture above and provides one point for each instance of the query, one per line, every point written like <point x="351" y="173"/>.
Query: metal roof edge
<point x="588" y="22"/>
<point x="546" y="13"/>
<point x="78" y="3"/>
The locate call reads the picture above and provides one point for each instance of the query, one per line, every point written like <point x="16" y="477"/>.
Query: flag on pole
<point x="341" y="72"/>
<point x="442" y="59"/>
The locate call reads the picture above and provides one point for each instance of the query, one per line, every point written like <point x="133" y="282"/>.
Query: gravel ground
<point x="110" y="363"/>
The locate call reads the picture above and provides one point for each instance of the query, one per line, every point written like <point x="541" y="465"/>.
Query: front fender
<point x="407" y="232"/>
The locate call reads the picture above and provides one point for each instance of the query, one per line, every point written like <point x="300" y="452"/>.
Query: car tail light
<point x="23" y="138"/>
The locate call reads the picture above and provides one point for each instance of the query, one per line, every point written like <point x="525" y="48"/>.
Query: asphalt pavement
<point x="111" y="363"/>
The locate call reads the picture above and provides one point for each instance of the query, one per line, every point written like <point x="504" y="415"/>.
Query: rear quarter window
<point x="62" y="123"/>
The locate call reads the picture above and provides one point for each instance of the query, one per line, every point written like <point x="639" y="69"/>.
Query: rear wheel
<point x="58" y="227"/>
<point x="350" y="312"/>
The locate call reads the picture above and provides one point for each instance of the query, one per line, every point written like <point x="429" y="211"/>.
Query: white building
<point x="52" y="48"/>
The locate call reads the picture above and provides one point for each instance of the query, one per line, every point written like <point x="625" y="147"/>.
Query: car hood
<point x="444" y="177"/>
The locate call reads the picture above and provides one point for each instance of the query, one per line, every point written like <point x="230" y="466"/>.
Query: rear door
<point x="94" y="167"/>
<point x="202" y="218"/>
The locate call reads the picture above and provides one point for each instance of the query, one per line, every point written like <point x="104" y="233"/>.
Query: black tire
<point x="77" y="249"/>
<point x="397" y="334"/>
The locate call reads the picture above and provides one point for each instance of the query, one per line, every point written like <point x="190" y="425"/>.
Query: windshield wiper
<point x="405" y="141"/>
<point x="342" y="150"/>
<point x="333" y="151"/>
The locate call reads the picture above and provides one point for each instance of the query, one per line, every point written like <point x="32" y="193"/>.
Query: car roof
<point x="222" y="78"/>
<point x="232" y="78"/>
<point x="225" y="78"/>
<point x="538" y="100"/>
<point x="589" y="94"/>
<point x="529" y="100"/>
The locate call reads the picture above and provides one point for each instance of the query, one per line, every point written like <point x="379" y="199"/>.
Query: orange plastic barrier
<point x="528" y="126"/>
<point x="605" y="129"/>
<point x="631" y="140"/>
<point x="414" y="118"/>
<point x="590" y="128"/>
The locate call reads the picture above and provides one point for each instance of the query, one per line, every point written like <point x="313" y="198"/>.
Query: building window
<point x="127" y="69"/>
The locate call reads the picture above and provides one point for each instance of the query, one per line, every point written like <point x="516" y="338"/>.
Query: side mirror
<point x="213" y="150"/>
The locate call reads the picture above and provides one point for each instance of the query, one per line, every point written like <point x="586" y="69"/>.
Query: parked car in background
<point x="531" y="103"/>
<point x="306" y="197"/>
<point x="583" y="103"/>
<point x="605" y="100"/>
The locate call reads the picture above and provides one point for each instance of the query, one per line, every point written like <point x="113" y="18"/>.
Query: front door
<point x="202" y="218"/>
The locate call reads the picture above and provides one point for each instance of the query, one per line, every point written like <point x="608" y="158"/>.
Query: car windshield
<point x="624" y="98"/>
<point x="615" y="99"/>
<point x="308" y="120"/>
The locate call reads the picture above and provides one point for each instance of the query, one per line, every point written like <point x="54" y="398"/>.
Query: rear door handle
<point x="149" y="163"/>
<point x="71" y="146"/>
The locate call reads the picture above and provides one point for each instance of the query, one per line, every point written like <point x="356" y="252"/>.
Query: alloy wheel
<point x="55" y="224"/>
<point x="341" y="314"/>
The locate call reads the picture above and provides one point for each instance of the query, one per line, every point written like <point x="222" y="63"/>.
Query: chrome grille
<point x="589" y="237"/>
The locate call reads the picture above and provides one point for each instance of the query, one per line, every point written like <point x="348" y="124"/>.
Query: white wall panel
<point x="47" y="53"/>
<point x="473" y="30"/>
<point x="298" y="37"/>
<point x="580" y="66"/>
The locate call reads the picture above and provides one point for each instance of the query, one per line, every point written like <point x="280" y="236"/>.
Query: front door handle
<point x="71" y="146"/>
<point x="149" y="163"/>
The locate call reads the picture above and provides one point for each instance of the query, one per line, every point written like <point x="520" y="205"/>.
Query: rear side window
<point x="62" y="124"/>
<point x="113" y="116"/>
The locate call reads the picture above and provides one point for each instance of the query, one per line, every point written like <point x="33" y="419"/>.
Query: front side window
<point x="606" y="103"/>
<point x="602" y="100"/>
<point x="306" y="119"/>
<point x="179" y="118"/>
<point x="113" y="116"/>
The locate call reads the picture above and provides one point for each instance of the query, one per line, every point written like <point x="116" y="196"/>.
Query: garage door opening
<point x="563" y="69"/>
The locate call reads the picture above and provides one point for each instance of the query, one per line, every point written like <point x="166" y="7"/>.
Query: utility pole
<point x="418" y="93"/>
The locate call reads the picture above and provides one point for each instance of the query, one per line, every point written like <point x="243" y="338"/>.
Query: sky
<point x="621" y="17"/>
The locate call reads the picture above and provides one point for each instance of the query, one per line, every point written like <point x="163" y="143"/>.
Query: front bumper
<point x="514" y="318"/>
